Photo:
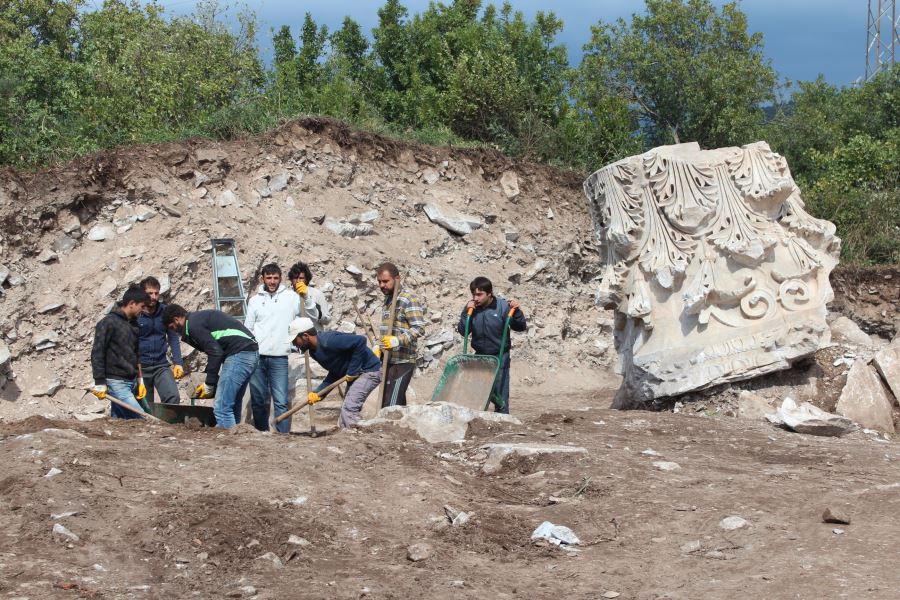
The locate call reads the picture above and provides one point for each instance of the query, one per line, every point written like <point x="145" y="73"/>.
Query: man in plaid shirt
<point x="409" y="325"/>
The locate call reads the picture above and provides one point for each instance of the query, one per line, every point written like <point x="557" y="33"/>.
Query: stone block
<point x="715" y="269"/>
<point x="887" y="362"/>
<point x="865" y="399"/>
<point x="497" y="453"/>
<point x="846" y="331"/>
<point x="436" y="421"/>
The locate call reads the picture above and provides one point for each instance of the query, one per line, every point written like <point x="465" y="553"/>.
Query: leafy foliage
<point x="75" y="78"/>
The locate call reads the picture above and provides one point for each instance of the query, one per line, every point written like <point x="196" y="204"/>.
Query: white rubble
<point x="808" y="418"/>
<point x="436" y="422"/>
<point x="715" y="269"/>
<point x="846" y="330"/>
<point x="452" y="221"/>
<point x="732" y="523"/>
<point x="559" y="535"/>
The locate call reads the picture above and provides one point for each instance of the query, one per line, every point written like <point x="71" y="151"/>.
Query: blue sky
<point x="803" y="38"/>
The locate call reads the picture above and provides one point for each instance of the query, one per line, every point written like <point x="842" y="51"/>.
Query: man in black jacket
<point x="114" y="354"/>
<point x="227" y="344"/>
<point x="486" y="328"/>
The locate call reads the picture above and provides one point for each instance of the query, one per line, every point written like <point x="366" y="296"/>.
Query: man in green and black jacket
<point x="227" y="344"/>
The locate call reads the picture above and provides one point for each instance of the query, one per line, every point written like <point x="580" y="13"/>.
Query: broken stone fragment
<point x="452" y="221"/>
<point x="349" y="230"/>
<point x="732" y="523"/>
<point x="497" y="453"/>
<point x="46" y="388"/>
<point x="279" y="181"/>
<point x="419" y="552"/>
<point x="125" y="215"/>
<point x="144" y="212"/>
<point x="887" y="362"/>
<point x="835" y="516"/>
<point x="509" y="183"/>
<point x="101" y="233"/>
<point x="171" y="210"/>
<point x="206" y="155"/>
<point x="430" y="176"/>
<point x="4" y="274"/>
<point x="45" y="339"/>
<point x="63" y="244"/>
<point x="49" y="308"/>
<point x="753" y="406"/>
<point x="809" y="419"/>
<point x="107" y="287"/>
<point x="538" y="266"/>
<point x="436" y="422"/>
<point x="4" y="353"/>
<point x="63" y="534"/>
<point x="865" y="400"/>
<point x="847" y="331"/>
<point x="47" y="256"/>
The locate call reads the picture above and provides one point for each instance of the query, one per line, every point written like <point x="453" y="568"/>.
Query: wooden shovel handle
<point x="322" y="394"/>
<point x="129" y="407"/>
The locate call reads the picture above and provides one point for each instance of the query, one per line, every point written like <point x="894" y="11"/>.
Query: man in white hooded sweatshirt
<point x="269" y="314"/>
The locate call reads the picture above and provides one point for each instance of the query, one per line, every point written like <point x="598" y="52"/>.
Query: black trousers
<point x="398" y="378"/>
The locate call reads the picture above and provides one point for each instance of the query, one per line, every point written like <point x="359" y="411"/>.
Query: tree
<point x="690" y="73"/>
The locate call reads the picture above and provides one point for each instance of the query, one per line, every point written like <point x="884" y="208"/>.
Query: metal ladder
<point x="228" y="288"/>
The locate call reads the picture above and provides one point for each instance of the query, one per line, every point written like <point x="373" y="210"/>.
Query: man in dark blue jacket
<point x="343" y="355"/>
<point x="154" y="341"/>
<point x="227" y="344"/>
<point x="486" y="329"/>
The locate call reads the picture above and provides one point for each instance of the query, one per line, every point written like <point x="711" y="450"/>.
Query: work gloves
<point x="312" y="398"/>
<point x="377" y="352"/>
<point x="204" y="391"/>
<point x="177" y="371"/>
<point x="389" y="342"/>
<point x="300" y="288"/>
<point x="141" y="389"/>
<point x="350" y="378"/>
<point x="99" y="391"/>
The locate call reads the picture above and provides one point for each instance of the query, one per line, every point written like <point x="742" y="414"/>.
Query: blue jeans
<point x="270" y="378"/>
<point x="500" y="393"/>
<point x="124" y="391"/>
<point x="233" y="379"/>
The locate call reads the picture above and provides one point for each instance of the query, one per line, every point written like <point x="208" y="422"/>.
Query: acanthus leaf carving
<point x="665" y="251"/>
<point x="759" y="172"/>
<point x="685" y="191"/>
<point x="737" y="229"/>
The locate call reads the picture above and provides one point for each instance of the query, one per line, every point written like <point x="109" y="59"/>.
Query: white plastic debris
<point x="555" y="534"/>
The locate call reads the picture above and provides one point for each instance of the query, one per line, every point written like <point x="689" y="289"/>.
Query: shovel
<point x="322" y="394"/>
<point x="130" y="408"/>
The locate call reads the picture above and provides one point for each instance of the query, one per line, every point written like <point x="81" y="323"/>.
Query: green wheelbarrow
<point x="468" y="379"/>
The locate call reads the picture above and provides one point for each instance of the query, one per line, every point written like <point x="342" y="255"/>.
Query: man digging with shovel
<point x="346" y="357"/>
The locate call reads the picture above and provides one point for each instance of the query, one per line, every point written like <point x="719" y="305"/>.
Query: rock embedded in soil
<point x="732" y="523"/>
<point x="60" y="532"/>
<point x="497" y="453"/>
<point x="833" y="515"/>
<point x="419" y="551"/>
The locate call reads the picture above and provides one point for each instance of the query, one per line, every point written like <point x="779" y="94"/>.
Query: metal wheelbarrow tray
<point x="467" y="380"/>
<point x="180" y="413"/>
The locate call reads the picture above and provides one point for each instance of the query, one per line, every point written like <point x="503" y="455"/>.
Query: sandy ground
<point x="166" y="512"/>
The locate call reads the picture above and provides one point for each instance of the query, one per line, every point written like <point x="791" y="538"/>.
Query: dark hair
<point x="389" y="268"/>
<point x="134" y="294"/>
<point x="170" y="312"/>
<point x="481" y="283"/>
<point x="150" y="282"/>
<point x="298" y="269"/>
<point x="271" y="269"/>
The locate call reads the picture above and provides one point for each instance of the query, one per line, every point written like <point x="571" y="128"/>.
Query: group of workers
<point x="132" y="344"/>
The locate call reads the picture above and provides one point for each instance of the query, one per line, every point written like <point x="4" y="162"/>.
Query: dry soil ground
<point x="167" y="512"/>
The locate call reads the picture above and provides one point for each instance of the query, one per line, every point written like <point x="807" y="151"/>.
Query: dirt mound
<point x="869" y="296"/>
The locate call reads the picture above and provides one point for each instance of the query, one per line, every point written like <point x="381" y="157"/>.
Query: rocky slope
<point x="74" y="236"/>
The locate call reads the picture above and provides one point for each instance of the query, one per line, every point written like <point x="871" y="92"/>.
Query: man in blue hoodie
<point x="154" y="342"/>
<point x="343" y="355"/>
<point x="486" y="328"/>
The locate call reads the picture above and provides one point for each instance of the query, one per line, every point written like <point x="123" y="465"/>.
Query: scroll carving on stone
<point x="716" y="271"/>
